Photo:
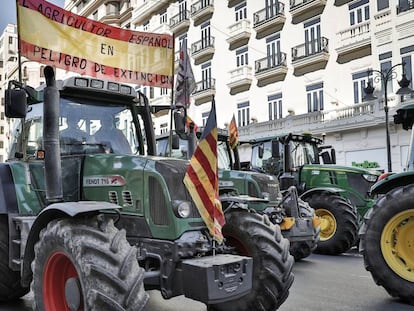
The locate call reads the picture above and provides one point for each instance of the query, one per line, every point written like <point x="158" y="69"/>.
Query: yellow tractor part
<point x="397" y="244"/>
<point x="287" y="223"/>
<point x="328" y="223"/>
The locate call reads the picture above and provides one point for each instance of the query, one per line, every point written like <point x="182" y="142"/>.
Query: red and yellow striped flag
<point x="201" y="178"/>
<point x="233" y="133"/>
<point x="53" y="36"/>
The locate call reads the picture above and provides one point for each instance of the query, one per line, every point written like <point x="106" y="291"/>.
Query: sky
<point x="8" y="12"/>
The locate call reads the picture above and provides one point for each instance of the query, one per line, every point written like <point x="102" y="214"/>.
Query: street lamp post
<point x="384" y="76"/>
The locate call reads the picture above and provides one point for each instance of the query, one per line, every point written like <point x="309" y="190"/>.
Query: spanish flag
<point x="201" y="178"/>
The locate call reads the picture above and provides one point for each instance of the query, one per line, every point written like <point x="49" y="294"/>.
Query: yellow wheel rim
<point x="397" y="244"/>
<point x="328" y="224"/>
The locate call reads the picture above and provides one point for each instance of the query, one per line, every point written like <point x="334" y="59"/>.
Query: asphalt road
<point x="334" y="283"/>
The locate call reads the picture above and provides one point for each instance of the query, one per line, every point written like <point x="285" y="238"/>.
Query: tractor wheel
<point x="10" y="287"/>
<point x="254" y="235"/>
<point x="387" y="242"/>
<point x="86" y="264"/>
<point x="339" y="225"/>
<point x="303" y="249"/>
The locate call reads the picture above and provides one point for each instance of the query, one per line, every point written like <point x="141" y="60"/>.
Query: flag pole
<point x="19" y="56"/>
<point x="172" y="100"/>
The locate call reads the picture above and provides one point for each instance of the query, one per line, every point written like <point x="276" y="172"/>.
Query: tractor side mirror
<point x="179" y="122"/>
<point x="275" y="149"/>
<point x="175" y="144"/>
<point x="333" y="156"/>
<point x="16" y="103"/>
<point x="261" y="151"/>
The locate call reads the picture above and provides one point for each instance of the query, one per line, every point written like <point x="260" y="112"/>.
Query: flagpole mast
<point x="19" y="56"/>
<point x="191" y="134"/>
<point x="172" y="100"/>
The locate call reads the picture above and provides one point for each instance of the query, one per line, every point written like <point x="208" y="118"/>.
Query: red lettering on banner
<point x="89" y="68"/>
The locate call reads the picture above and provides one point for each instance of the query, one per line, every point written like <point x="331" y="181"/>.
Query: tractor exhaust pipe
<point x="53" y="169"/>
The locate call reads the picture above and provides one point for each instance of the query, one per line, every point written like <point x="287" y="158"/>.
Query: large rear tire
<point x="339" y="223"/>
<point x="255" y="236"/>
<point x="86" y="264"/>
<point x="10" y="288"/>
<point x="387" y="242"/>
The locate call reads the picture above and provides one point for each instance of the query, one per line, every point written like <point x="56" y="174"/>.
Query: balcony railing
<point x="297" y="3"/>
<point x="310" y="48"/>
<point x="200" y="6"/>
<point x="354" y="34"/>
<point x="407" y="6"/>
<point x="204" y="85"/>
<point x="202" y="44"/>
<point x="360" y="115"/>
<point x="179" y="18"/>
<point x="269" y="62"/>
<point x="268" y="13"/>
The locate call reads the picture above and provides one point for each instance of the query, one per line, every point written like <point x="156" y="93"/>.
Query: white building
<point x="281" y="66"/>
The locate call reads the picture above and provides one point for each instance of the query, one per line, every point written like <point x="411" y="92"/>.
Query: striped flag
<point x="201" y="178"/>
<point x="185" y="83"/>
<point x="189" y="121"/>
<point x="233" y="133"/>
<point x="53" y="36"/>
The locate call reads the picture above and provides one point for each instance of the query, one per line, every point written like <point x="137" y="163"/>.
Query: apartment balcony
<point x="202" y="50"/>
<point x="240" y="79"/>
<point x="204" y="92"/>
<point x="363" y="115"/>
<point x="404" y="22"/>
<point x="180" y="23"/>
<point x="239" y="34"/>
<point x="161" y="101"/>
<point x="269" y="20"/>
<point x="354" y="42"/>
<point x="202" y="11"/>
<point x="144" y="10"/>
<point x="232" y="3"/>
<point x="310" y="56"/>
<point x="302" y="10"/>
<point x="270" y="69"/>
<point x="341" y="2"/>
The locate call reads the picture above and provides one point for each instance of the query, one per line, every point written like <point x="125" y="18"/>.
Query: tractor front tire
<point x="387" y="242"/>
<point x="10" y="287"/>
<point x="86" y="264"/>
<point x="339" y="223"/>
<point x="255" y="236"/>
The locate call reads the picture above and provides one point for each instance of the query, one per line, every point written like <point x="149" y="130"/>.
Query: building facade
<point x="281" y="66"/>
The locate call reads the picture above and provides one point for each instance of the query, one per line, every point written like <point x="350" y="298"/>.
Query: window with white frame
<point x="163" y="91"/>
<point x="405" y="5"/>
<point x="241" y="11"/>
<point x="275" y="106"/>
<point x="206" y="75"/>
<point x="360" y="80"/>
<point x="358" y="12"/>
<point x="382" y="4"/>
<point x="273" y="51"/>
<point x="163" y="128"/>
<point x="313" y="39"/>
<point x="204" y="117"/>
<point x="314" y="96"/>
<point x="243" y="114"/>
<point x="205" y="35"/>
<point x="242" y="58"/>
<point x="145" y="26"/>
<point x="385" y="66"/>
<point x="407" y="54"/>
<point x="163" y="17"/>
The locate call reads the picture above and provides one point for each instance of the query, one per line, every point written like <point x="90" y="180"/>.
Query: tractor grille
<point x="173" y="172"/>
<point x="269" y="185"/>
<point x="359" y="183"/>
<point x="158" y="206"/>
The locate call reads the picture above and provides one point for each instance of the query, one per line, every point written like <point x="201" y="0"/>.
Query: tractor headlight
<point x="182" y="209"/>
<point x="370" y="178"/>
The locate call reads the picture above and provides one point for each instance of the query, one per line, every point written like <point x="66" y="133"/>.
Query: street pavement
<point x="334" y="283"/>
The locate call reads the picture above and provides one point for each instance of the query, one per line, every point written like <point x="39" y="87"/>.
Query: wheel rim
<point x="397" y="244"/>
<point x="328" y="224"/>
<point x="59" y="271"/>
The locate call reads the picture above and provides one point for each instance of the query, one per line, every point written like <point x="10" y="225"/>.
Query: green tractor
<point x="387" y="235"/>
<point x="89" y="227"/>
<point x="295" y="217"/>
<point x="339" y="194"/>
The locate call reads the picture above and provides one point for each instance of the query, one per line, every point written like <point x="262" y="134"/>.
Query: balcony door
<point x="273" y="51"/>
<point x="313" y="42"/>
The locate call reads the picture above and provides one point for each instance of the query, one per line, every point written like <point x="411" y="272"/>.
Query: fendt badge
<point x="103" y="181"/>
